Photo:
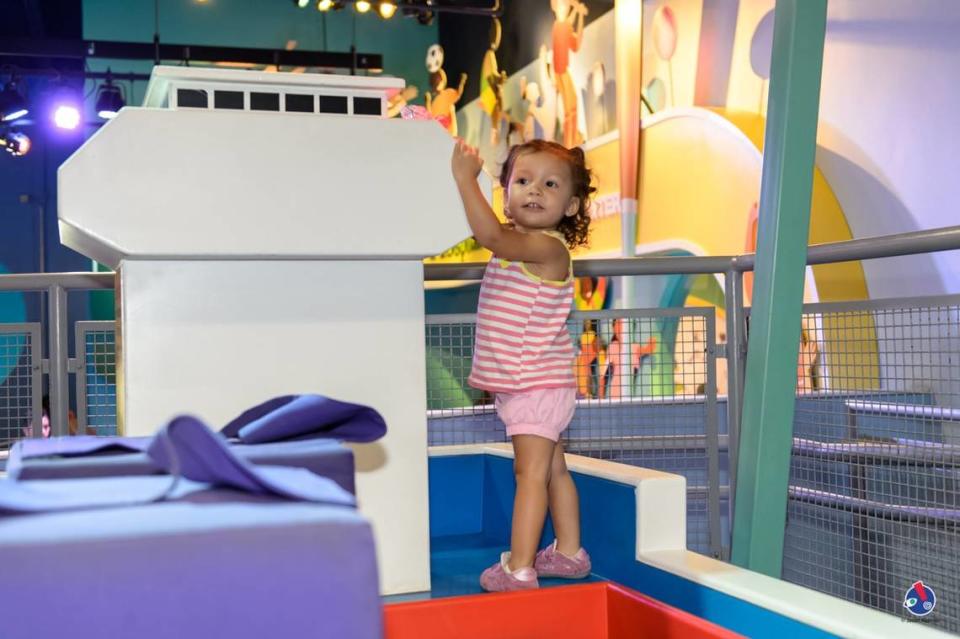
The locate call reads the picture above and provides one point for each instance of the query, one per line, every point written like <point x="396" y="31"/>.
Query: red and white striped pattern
<point x="521" y="341"/>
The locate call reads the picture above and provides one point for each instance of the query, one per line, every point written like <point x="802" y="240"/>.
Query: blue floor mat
<point x="456" y="563"/>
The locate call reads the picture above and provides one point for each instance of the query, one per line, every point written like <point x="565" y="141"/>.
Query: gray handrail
<point x="686" y="265"/>
<point x="939" y="413"/>
<point x="67" y="281"/>
<point x="928" y="241"/>
<point x="868" y="248"/>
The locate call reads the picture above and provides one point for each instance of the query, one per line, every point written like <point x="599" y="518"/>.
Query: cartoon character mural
<point x="442" y="101"/>
<point x="609" y="352"/>
<point x="599" y="101"/>
<point x="808" y="362"/>
<point x="531" y="95"/>
<point x="665" y="42"/>
<point x="567" y="35"/>
<point x="760" y="46"/>
<point x="397" y="100"/>
<point x="540" y="120"/>
<point x="589" y="294"/>
<point x="708" y="220"/>
<point x="690" y="356"/>
<point x="623" y="361"/>
<point x="492" y="80"/>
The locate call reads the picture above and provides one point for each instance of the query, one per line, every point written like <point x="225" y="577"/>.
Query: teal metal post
<point x="766" y="432"/>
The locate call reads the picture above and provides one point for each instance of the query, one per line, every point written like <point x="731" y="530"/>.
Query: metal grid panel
<point x="646" y="386"/>
<point x="97" y="378"/>
<point x="20" y="383"/>
<point x="876" y="456"/>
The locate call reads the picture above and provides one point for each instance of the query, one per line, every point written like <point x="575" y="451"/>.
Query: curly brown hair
<point x="575" y="228"/>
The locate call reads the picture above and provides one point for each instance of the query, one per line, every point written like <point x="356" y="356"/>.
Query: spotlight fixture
<point x="425" y="11"/>
<point x="387" y="9"/>
<point x="12" y="103"/>
<point x="301" y="4"/>
<point x="426" y="17"/>
<point x="66" y="116"/>
<point x="362" y="6"/>
<point x="15" y="143"/>
<point x="64" y="105"/>
<point x="109" y="100"/>
<point x="328" y="5"/>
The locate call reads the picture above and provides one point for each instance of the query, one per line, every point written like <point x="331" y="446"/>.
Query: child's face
<point x="540" y="192"/>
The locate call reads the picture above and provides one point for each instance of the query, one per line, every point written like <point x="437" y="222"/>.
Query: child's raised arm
<point x="505" y="243"/>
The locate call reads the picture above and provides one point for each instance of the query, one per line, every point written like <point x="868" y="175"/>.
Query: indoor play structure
<point x="277" y="251"/>
<point x="643" y="547"/>
<point x="184" y="298"/>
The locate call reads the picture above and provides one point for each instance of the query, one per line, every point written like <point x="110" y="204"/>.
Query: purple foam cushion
<point x="72" y="447"/>
<point x="234" y="570"/>
<point x="323" y="457"/>
<point x="186" y="449"/>
<point x="306" y="416"/>
<point x="78" y="445"/>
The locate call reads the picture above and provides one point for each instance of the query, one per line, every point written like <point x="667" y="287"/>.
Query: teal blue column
<point x="766" y="431"/>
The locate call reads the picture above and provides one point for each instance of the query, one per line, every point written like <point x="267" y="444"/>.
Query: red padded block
<point x="628" y="611"/>
<point x="587" y="611"/>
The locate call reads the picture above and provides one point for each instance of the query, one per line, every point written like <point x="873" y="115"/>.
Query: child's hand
<point x="465" y="163"/>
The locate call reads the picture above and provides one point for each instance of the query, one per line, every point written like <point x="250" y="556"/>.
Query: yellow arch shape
<point x="700" y="176"/>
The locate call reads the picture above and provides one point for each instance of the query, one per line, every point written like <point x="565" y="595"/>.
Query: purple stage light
<point x="66" y="116"/>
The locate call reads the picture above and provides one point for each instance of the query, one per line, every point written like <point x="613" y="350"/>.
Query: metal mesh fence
<point x="873" y="501"/>
<point x="97" y="377"/>
<point x="19" y="383"/>
<point x="646" y="387"/>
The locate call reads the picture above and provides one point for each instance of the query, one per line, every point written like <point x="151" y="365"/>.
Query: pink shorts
<point x="544" y="411"/>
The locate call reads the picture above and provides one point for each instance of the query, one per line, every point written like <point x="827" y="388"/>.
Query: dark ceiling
<point x="464" y="37"/>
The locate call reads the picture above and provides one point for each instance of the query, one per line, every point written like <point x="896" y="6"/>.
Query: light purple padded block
<point x="293" y="430"/>
<point x="216" y="547"/>
<point x="256" y="568"/>
<point x="323" y="457"/>
<point x="194" y="459"/>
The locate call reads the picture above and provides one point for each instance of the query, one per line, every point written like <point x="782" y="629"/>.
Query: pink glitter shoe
<point x="499" y="578"/>
<point x="551" y="562"/>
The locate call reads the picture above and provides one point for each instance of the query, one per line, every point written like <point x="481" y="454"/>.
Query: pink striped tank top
<point x="521" y="341"/>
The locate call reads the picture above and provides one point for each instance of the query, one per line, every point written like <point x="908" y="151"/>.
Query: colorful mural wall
<point x="697" y="188"/>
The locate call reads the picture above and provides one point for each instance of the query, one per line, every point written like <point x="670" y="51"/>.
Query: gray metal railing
<point x="56" y="285"/>
<point x="20" y="404"/>
<point x="56" y="364"/>
<point x="862" y="503"/>
<point x="653" y="407"/>
<point x="733" y="267"/>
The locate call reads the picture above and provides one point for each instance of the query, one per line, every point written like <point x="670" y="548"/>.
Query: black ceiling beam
<point x="493" y="11"/>
<point x="80" y="49"/>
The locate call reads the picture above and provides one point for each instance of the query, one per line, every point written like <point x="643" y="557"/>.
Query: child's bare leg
<point x="533" y="457"/>
<point x="564" y="504"/>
